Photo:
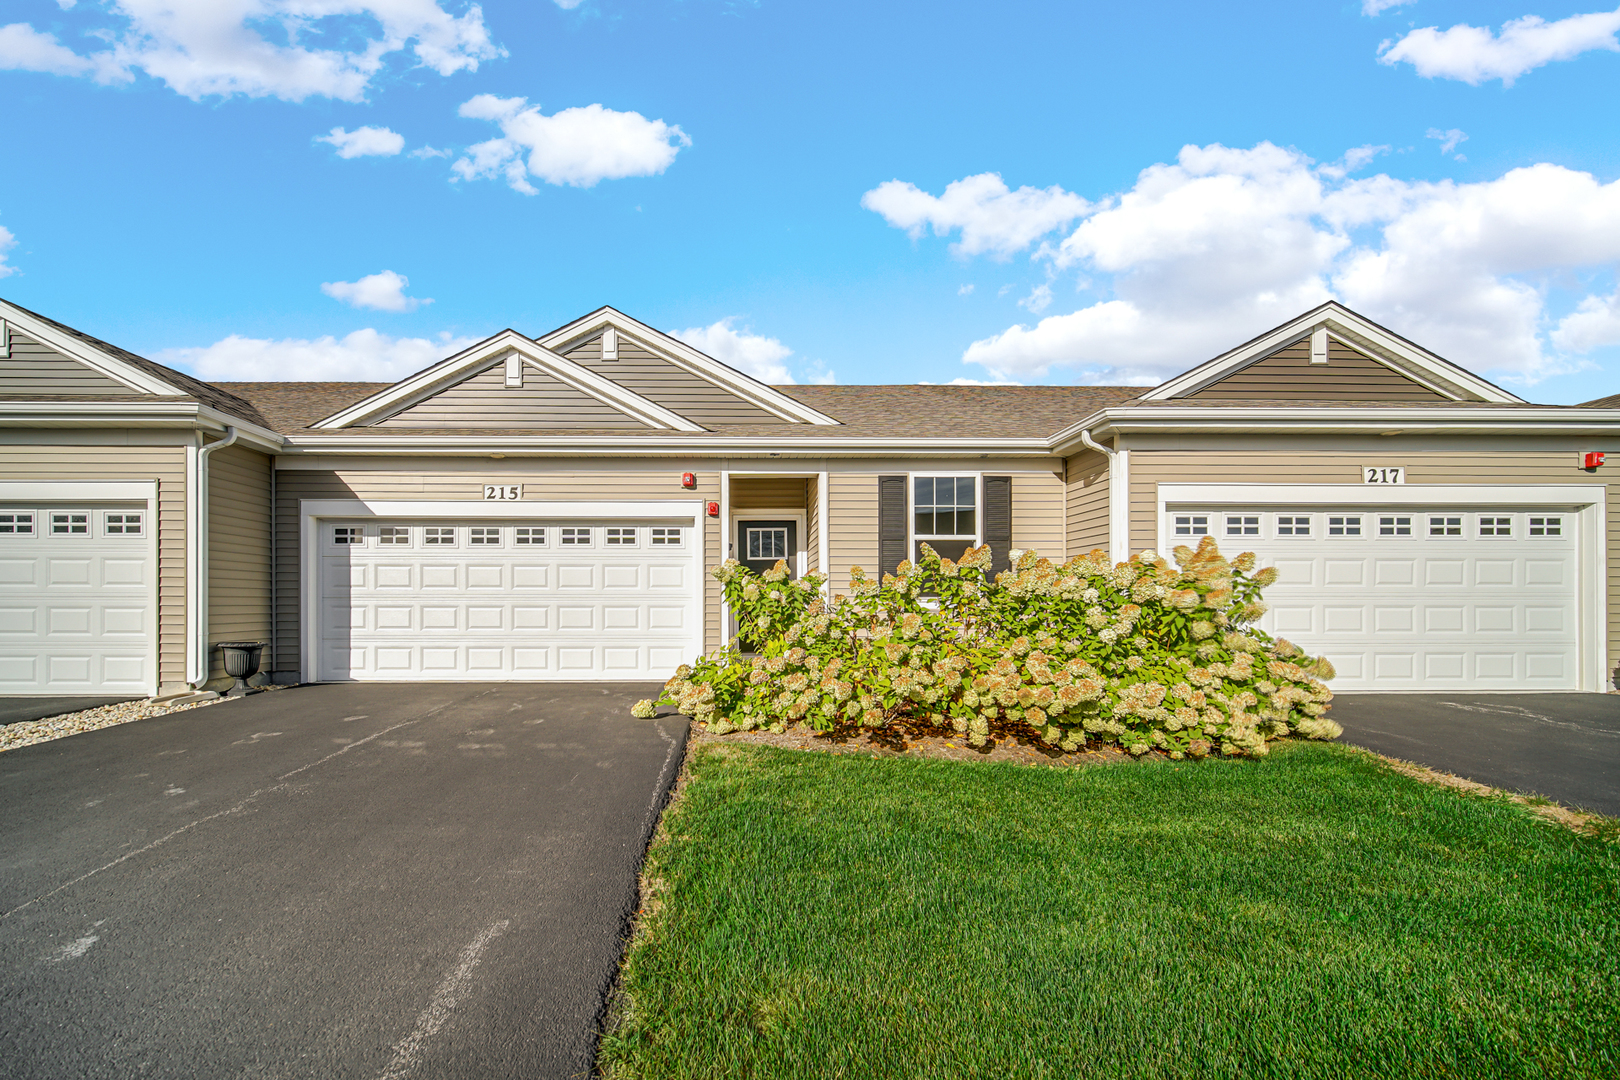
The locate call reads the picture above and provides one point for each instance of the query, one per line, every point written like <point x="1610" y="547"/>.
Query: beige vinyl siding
<point x="646" y="373"/>
<point x="1347" y="376"/>
<point x="166" y="465"/>
<point x="816" y="558"/>
<point x="539" y="485"/>
<point x="36" y="370"/>
<point x="1037" y="514"/>
<point x="1086" y="509"/>
<point x="485" y="401"/>
<point x="1149" y="468"/>
<point x="852" y="526"/>
<point x="769" y="493"/>
<point x="238" y="550"/>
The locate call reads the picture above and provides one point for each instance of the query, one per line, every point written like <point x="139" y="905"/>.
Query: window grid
<point x="576" y="536"/>
<point x="1441" y="525"/>
<point x="1192" y="524"/>
<point x="663" y="537"/>
<point x="1395" y="525"/>
<point x="484" y="536"/>
<point x="767" y="543"/>
<point x="347" y="534"/>
<point x="70" y="523"/>
<point x="1293" y="525"/>
<point x="1495" y="526"/>
<point x="1243" y="525"/>
<point x="944" y="507"/>
<point x="394" y="535"/>
<point x="17" y="523"/>
<point x="1344" y="525"/>
<point x="531" y="535"/>
<point x="439" y="536"/>
<point x="621" y="537"/>
<point x="1547" y="526"/>
<point x="123" y="523"/>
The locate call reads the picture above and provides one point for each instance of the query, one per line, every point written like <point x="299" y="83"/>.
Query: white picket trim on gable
<point x="1417" y="364"/>
<point x="447" y="373"/>
<point x="689" y="360"/>
<point x="91" y="357"/>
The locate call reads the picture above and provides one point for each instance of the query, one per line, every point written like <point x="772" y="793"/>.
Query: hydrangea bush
<point x="1144" y="654"/>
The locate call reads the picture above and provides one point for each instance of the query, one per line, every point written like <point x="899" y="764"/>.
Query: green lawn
<point x="1309" y="915"/>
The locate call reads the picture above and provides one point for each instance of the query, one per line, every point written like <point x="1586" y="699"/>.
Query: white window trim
<point x="911" y="509"/>
<point x="32" y="492"/>
<point x="1584" y="508"/>
<point x="312" y="512"/>
<point x="801" y="517"/>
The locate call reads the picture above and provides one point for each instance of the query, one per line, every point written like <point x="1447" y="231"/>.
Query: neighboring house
<point x="547" y="508"/>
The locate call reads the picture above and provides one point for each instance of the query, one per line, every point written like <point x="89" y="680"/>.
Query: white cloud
<point x="1377" y="7"/>
<point x="991" y="218"/>
<point x="383" y="291"/>
<point x="1594" y="323"/>
<point x="756" y="354"/>
<point x="1038" y="300"/>
<point x="1449" y="139"/>
<point x="364" y="142"/>
<point x="363" y="356"/>
<point x="1202" y="254"/>
<point x="578" y="146"/>
<point x="213" y="47"/>
<point x="1471" y="54"/>
<point x="965" y="290"/>
<point x="428" y="152"/>
<point x="7" y="242"/>
<point x="569" y="5"/>
<point x="1355" y="159"/>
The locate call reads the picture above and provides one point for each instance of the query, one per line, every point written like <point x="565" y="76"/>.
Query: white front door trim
<point x="1588" y="500"/>
<point x="312" y="511"/>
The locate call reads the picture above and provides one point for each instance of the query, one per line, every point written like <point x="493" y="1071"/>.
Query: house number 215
<point x="502" y="492"/>
<point x="1373" y="475"/>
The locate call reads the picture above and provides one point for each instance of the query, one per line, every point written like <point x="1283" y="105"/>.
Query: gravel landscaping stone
<point x="29" y="732"/>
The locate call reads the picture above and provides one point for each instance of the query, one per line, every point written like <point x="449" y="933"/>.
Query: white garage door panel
<point x="410" y="610"/>
<point x="1460" y="610"/>
<point x="76" y="608"/>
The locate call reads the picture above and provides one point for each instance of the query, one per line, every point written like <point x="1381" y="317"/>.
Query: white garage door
<point x="76" y="603"/>
<point x="1407" y="599"/>
<point x="494" y="599"/>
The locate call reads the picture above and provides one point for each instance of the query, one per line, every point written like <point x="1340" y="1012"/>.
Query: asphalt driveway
<point x="369" y="881"/>
<point x="1563" y="746"/>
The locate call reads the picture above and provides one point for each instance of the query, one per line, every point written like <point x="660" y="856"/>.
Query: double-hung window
<point x="945" y="514"/>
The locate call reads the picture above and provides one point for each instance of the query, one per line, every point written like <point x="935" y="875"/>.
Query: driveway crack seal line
<point x="237" y="809"/>
<point x="408" y="1051"/>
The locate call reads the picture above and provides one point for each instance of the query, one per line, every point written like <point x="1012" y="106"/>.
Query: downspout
<point x="1119" y="497"/>
<point x="197" y="559"/>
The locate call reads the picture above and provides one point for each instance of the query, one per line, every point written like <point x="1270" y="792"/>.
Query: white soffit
<point x="91" y="357"/>
<point x="447" y="373"/>
<point x="689" y="360"/>
<point x="1395" y="352"/>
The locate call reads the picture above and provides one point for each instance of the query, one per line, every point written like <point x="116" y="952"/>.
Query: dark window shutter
<point x="891" y="523"/>
<point x="998" y="520"/>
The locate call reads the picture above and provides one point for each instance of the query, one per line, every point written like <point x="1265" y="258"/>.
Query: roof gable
<point x="484" y="400"/>
<point x="632" y="364"/>
<point x="30" y="368"/>
<point x="1336" y="372"/>
<point x="492" y="406"/>
<point x="1361" y="342"/>
<point x="682" y="356"/>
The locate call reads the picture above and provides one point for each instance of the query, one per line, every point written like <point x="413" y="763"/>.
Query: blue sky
<point x="816" y="191"/>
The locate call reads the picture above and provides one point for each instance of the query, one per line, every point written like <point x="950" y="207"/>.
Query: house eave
<point x="179" y="415"/>
<point x="655" y="446"/>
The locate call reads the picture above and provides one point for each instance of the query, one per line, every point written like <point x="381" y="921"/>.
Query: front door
<point x="761" y="543"/>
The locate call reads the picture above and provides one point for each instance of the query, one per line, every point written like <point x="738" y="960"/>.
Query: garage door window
<point x="1445" y="526"/>
<point x="530" y="536"/>
<point x="576" y="537"/>
<point x="1192" y="524"/>
<point x="666" y="537"/>
<point x="70" y="523"/>
<point x="1242" y="524"/>
<point x="1394" y="525"/>
<point x="484" y="536"/>
<point x="122" y="523"/>
<point x="1546" y="526"/>
<point x="346" y="534"/>
<point x="439" y="536"/>
<point x="17" y="523"/>
<point x="621" y="537"/>
<point x="1344" y="524"/>
<point x="1293" y="525"/>
<point x="1495" y="526"/>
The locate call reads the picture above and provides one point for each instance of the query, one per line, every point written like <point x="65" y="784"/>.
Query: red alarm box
<point x="1591" y="459"/>
<point x="688" y="480"/>
<point x="714" y="509"/>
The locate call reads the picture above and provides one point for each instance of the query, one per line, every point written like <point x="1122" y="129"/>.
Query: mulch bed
<point x="923" y="744"/>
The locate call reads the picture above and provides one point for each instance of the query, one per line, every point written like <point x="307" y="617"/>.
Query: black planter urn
<point x="241" y="664"/>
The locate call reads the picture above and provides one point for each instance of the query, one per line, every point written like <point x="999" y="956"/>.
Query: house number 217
<point x="502" y="492"/>
<point x="1373" y="475"/>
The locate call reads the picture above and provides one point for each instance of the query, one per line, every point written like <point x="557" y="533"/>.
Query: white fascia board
<point x="1381" y="494"/>
<point x="1475" y="420"/>
<point x="643" y="446"/>
<point x="86" y="354"/>
<point x="101" y="413"/>
<point x="1335" y="317"/>
<point x="74" y="490"/>
<point x="441" y="376"/>
<point x="692" y="361"/>
<point x="664" y="509"/>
